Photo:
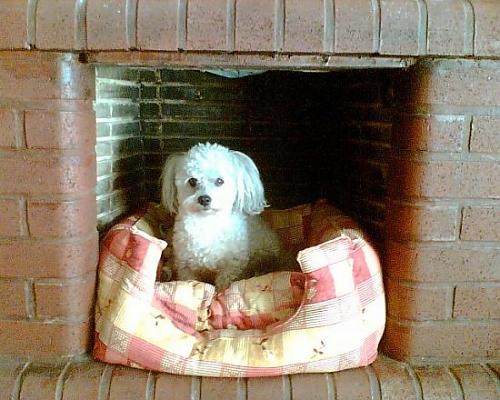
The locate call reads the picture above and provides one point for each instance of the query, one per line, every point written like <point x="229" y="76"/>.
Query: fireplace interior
<point x="312" y="135"/>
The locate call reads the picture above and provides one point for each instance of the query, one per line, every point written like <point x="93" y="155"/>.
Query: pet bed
<point x="328" y="318"/>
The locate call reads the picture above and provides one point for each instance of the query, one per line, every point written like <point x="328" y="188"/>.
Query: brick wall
<point x="120" y="164"/>
<point x="48" y="240"/>
<point x="358" y="133"/>
<point x="443" y="248"/>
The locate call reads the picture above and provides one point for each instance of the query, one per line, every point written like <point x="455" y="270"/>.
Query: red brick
<point x="304" y="26"/>
<point x="60" y="129"/>
<point x="82" y="381"/>
<point x="476" y="382"/>
<point x="218" y="388"/>
<point x="127" y="383"/>
<point x="436" y="178"/>
<point x="255" y="25"/>
<point x="417" y="302"/>
<point x="62" y="218"/>
<point x="40" y="383"/>
<point x="412" y="178"/>
<point x="13" y="217"/>
<point x="456" y="83"/>
<point x="436" y="383"/>
<point x="269" y="388"/>
<point x="106" y="25"/>
<point x="481" y="179"/>
<point x="173" y="387"/>
<point x="55" y="24"/>
<point x="393" y="379"/>
<point x="206" y="25"/>
<point x="485" y="137"/>
<point x="477" y="302"/>
<point x="43" y="340"/>
<point x="13" y="30"/>
<point x="70" y="299"/>
<point x="9" y="371"/>
<point x="481" y="223"/>
<point x="352" y="384"/>
<point x="48" y="259"/>
<point x="437" y="133"/>
<point x="399" y="27"/>
<point x="12" y="303"/>
<point x="10" y="131"/>
<point x="45" y="75"/>
<point x="435" y="223"/>
<point x="309" y="386"/>
<point x="429" y="263"/>
<point x="47" y="172"/>
<point x="457" y="341"/>
<point x="157" y="25"/>
<point x="450" y="27"/>
<point x="487" y="15"/>
<point x="356" y="27"/>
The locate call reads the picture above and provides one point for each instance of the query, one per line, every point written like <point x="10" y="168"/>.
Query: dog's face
<point x="205" y="182"/>
<point x="210" y="178"/>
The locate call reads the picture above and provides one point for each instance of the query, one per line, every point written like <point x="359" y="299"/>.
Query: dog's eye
<point x="219" y="182"/>
<point x="193" y="182"/>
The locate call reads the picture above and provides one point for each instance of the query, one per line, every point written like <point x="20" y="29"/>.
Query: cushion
<point x="326" y="318"/>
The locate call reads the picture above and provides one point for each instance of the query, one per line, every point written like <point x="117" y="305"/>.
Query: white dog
<point x="216" y="195"/>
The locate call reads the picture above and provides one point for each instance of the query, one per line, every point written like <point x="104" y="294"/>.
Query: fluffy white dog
<point x="216" y="195"/>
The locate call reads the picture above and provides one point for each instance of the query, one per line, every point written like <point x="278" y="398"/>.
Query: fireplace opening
<point x="312" y="135"/>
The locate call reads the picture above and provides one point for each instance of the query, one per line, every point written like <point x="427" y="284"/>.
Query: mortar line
<point x="150" y="386"/>
<point x="23" y="222"/>
<point x="81" y="24"/>
<point x="195" y="388"/>
<point x="105" y="382"/>
<point x="31" y="24"/>
<point x="469" y="121"/>
<point x="459" y="390"/>
<point x="492" y="374"/>
<point x="415" y="381"/>
<point x="375" y="389"/>
<point x="230" y="25"/>
<point x="279" y="25"/>
<point x="131" y="23"/>
<point x="470" y="30"/>
<point x="450" y="304"/>
<point x="29" y="298"/>
<point x="20" y="127"/>
<point x="331" y="388"/>
<point x="181" y="24"/>
<point x="286" y="388"/>
<point x="242" y="389"/>
<point x="329" y="26"/>
<point x="18" y="383"/>
<point x="423" y="27"/>
<point x="61" y="381"/>
<point x="377" y="25"/>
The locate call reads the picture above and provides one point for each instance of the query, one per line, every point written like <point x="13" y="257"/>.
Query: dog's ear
<point x="167" y="182"/>
<point x="249" y="189"/>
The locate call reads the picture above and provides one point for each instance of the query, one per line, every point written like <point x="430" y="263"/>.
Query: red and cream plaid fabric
<point x="328" y="318"/>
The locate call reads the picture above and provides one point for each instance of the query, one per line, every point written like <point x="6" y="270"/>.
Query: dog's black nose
<point x="204" y="200"/>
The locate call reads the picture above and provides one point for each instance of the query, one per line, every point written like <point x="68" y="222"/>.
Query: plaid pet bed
<point x="328" y="318"/>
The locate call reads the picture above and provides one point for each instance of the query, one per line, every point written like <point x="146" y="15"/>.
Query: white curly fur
<point x="224" y="240"/>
